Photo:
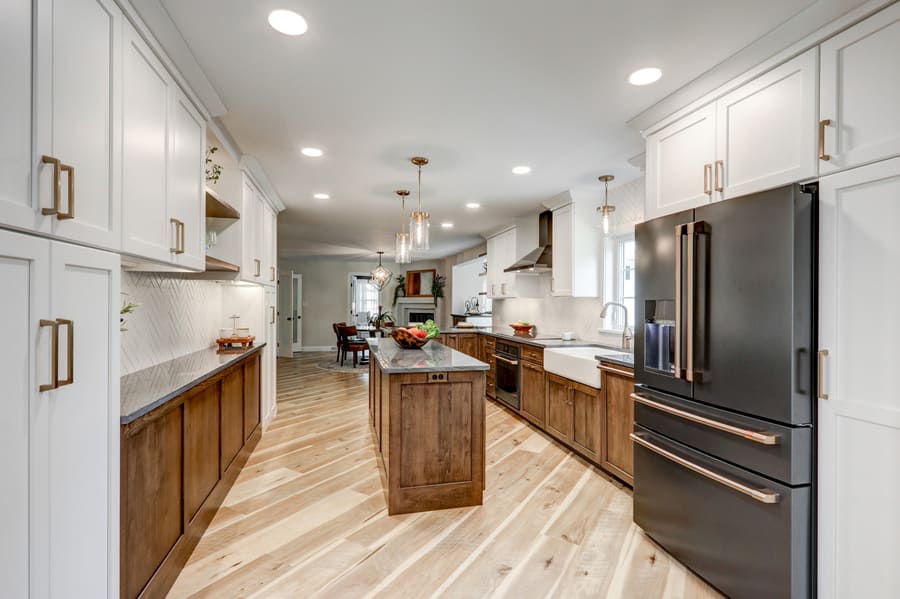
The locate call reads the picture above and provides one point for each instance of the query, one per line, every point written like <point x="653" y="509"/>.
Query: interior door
<point x="297" y="311"/>
<point x="754" y="307"/>
<point x="859" y="422"/>
<point x="657" y="247"/>
<point x="24" y="366"/>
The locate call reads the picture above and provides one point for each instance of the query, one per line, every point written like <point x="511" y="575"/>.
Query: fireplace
<point x="414" y="309"/>
<point x="420" y="316"/>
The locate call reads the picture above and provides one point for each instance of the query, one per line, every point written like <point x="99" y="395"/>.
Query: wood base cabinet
<point x="574" y="415"/>
<point x="617" y="384"/>
<point x="532" y="394"/>
<point x="178" y="463"/>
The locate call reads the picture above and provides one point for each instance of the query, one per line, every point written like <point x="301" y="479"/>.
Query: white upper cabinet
<point x="679" y="163"/>
<point x="146" y="91"/>
<point x="186" y="197"/>
<point x="17" y="205"/>
<point x="766" y="130"/>
<point x="577" y="251"/>
<point x="501" y="249"/>
<point x="270" y="229"/>
<point x="252" y="225"/>
<point x="860" y="85"/>
<point x="77" y="118"/>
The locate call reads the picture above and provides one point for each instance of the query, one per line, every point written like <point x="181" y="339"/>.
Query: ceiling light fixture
<point x="473" y="205"/>
<point x="419" y="220"/>
<point x="381" y="276"/>
<point x="447" y="225"/>
<point x="645" y="76"/>
<point x="606" y="210"/>
<point x="321" y="196"/>
<point x="401" y="244"/>
<point x="287" y="22"/>
<point x="311" y="152"/>
<point x="521" y="170"/>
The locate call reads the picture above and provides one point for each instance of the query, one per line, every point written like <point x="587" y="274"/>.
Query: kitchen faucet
<point x="626" y="338"/>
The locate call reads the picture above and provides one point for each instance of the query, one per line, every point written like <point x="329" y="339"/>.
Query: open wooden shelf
<point x="216" y="265"/>
<point x="216" y="208"/>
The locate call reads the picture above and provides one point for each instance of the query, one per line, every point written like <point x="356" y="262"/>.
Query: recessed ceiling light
<point x="645" y="76"/>
<point x="287" y="22"/>
<point x="447" y="225"/>
<point x="321" y="196"/>
<point x="473" y="205"/>
<point x="311" y="152"/>
<point x="521" y="170"/>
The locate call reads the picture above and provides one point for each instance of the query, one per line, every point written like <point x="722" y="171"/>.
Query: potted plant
<point x="382" y="319"/>
<point x="437" y="287"/>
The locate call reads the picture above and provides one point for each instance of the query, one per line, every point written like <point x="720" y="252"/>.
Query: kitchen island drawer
<point x="746" y="533"/>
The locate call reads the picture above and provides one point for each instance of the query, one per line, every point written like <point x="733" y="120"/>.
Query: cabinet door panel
<point x="186" y="180"/>
<point x="766" y="130"/>
<point x="251" y="395"/>
<point x="559" y="409"/>
<point x="859" y="95"/>
<point x="146" y="89"/>
<point x="618" y="456"/>
<point x="232" y="416"/>
<point x="533" y="393"/>
<point x="468" y="344"/>
<point x="561" y="281"/>
<point x="16" y="201"/>
<point x="251" y="269"/>
<point x="83" y="121"/>
<point x="676" y="156"/>
<point x="860" y="420"/>
<point x="586" y="421"/>
<point x="201" y="448"/>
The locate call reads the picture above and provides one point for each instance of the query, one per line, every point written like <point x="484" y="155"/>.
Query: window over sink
<point x="620" y="282"/>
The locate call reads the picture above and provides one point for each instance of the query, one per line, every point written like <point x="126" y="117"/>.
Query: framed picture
<point x="419" y="282"/>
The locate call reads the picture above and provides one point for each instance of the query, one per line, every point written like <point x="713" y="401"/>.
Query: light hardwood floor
<point x="307" y="517"/>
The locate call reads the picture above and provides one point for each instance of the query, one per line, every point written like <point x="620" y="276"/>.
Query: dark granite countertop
<point x="622" y="359"/>
<point x="147" y="389"/>
<point x="433" y="357"/>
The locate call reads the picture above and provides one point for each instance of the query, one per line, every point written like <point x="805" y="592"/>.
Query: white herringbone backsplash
<point x="177" y="315"/>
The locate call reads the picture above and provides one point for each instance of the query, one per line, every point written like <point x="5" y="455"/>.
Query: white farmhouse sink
<point x="576" y="363"/>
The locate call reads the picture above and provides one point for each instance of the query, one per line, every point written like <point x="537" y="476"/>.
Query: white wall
<point x="551" y="314"/>
<point x="467" y="283"/>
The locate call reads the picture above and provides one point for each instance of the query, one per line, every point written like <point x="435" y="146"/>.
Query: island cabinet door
<point x="533" y="393"/>
<point x="559" y="408"/>
<point x="201" y="447"/>
<point x="468" y="344"/>
<point x="586" y="421"/>
<point x="232" y="416"/>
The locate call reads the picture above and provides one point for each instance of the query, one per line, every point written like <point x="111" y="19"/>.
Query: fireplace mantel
<point x="414" y="305"/>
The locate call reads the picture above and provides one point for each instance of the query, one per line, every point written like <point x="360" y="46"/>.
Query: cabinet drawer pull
<point x="720" y="183"/>
<point x="179" y="236"/>
<point x="273" y="273"/>
<point x="761" y="495"/>
<point x="70" y="353"/>
<point x="606" y="368"/>
<point x="54" y="355"/>
<point x="57" y="191"/>
<point x="707" y="175"/>
<point x="70" y="171"/>
<point x="762" y="438"/>
<point x="822" y="124"/>
<point x="820" y="374"/>
<point x="258" y="266"/>
<point x="272" y="321"/>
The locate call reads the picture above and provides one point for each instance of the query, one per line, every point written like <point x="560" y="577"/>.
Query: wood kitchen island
<point x="426" y="408"/>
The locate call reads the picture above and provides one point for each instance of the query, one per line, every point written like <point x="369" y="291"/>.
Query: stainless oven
<point x="506" y="361"/>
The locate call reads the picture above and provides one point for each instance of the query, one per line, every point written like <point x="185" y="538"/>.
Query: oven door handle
<point x="760" y="495"/>
<point x="506" y="360"/>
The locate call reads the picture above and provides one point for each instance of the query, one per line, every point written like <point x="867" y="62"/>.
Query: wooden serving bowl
<point x="407" y="340"/>
<point x="521" y="329"/>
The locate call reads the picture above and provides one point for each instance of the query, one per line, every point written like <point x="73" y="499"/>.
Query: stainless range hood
<point x="539" y="259"/>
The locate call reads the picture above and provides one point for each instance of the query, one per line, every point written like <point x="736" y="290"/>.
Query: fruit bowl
<point x="407" y="340"/>
<point x="521" y="328"/>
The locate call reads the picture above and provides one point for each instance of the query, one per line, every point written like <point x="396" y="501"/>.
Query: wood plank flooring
<point x="307" y="517"/>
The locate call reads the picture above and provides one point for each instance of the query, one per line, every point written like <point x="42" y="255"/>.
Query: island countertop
<point x="433" y="357"/>
<point x="144" y="390"/>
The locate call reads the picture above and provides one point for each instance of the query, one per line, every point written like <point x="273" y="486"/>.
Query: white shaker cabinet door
<point x="561" y="278"/>
<point x="859" y="422"/>
<point x="78" y="120"/>
<point x="187" y="201"/>
<point x="860" y="84"/>
<point x="25" y="359"/>
<point x="251" y="265"/>
<point x="17" y="204"/>
<point x="766" y="130"/>
<point x="679" y="164"/>
<point x="268" y="231"/>
<point x="146" y="88"/>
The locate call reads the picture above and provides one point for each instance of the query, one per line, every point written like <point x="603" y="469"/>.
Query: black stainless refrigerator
<point x="724" y="394"/>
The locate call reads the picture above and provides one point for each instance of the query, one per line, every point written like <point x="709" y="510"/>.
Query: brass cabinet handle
<point x="761" y="495"/>
<point x="720" y="183"/>
<point x="273" y="273"/>
<point x="272" y="321"/>
<point x="822" y="124"/>
<point x="707" y="175"/>
<point x="530" y="367"/>
<point x="679" y="233"/>
<point x="54" y="355"/>
<point x="820" y="375"/>
<point x="70" y="171"/>
<point x="57" y="191"/>
<point x="606" y="368"/>
<point x="258" y="266"/>
<point x="179" y="236"/>
<point x="70" y="354"/>
<point x="762" y="438"/>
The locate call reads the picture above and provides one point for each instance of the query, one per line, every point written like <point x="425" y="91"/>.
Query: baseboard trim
<point x="308" y="348"/>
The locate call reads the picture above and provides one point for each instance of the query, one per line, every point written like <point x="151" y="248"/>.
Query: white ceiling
<point x="476" y="86"/>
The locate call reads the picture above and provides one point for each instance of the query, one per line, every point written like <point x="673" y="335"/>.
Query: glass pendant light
<point x="606" y="211"/>
<point x="418" y="219"/>
<point x="401" y="248"/>
<point x="381" y="276"/>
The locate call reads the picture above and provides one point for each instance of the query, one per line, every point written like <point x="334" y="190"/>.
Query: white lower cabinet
<point x="60" y="427"/>
<point x="859" y="421"/>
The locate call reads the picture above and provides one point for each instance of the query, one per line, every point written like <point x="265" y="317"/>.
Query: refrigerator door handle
<point x="761" y="495"/>
<point x="680" y="230"/>
<point x="694" y="230"/>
